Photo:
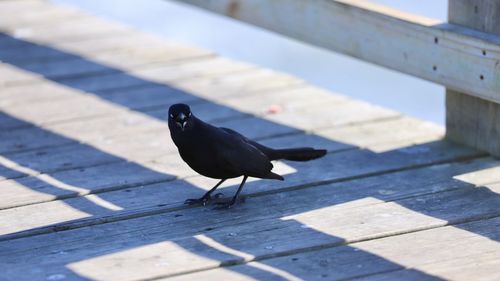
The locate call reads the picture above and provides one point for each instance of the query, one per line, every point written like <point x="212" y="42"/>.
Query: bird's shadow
<point x="201" y="231"/>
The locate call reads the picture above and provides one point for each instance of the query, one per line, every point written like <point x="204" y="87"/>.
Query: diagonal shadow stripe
<point x="190" y="225"/>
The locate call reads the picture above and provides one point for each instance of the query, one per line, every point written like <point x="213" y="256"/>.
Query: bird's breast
<point x="206" y="161"/>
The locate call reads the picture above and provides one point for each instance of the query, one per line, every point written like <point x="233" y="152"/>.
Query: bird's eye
<point x="171" y="116"/>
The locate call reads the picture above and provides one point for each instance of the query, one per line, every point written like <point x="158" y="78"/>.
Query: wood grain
<point x="91" y="188"/>
<point x="448" y="54"/>
<point x="471" y="120"/>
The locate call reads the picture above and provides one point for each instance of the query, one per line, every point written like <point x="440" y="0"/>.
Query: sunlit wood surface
<point x="92" y="188"/>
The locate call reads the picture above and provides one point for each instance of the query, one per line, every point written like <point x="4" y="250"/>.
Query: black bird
<point x="222" y="153"/>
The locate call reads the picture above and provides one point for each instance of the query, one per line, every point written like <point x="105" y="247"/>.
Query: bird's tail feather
<point x="274" y="176"/>
<point x="297" y="154"/>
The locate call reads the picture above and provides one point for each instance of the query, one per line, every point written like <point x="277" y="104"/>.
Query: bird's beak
<point x="181" y="121"/>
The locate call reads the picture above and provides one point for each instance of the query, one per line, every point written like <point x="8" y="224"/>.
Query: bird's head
<point x="179" y="115"/>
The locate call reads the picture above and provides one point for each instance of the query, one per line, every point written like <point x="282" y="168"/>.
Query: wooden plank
<point x="105" y="129"/>
<point x="114" y="78"/>
<point x="77" y="29"/>
<point x="32" y="13"/>
<point x="36" y="15"/>
<point x="134" y="42"/>
<point x="87" y="106"/>
<point x="77" y="155"/>
<point x="472" y="120"/>
<point x="90" y="130"/>
<point x="75" y="105"/>
<point x="480" y="15"/>
<point x="218" y="88"/>
<point x="447" y="54"/>
<point x="51" y="91"/>
<point x="23" y="94"/>
<point x="320" y="171"/>
<point x="110" y="61"/>
<point x="446" y="253"/>
<point x="79" y="182"/>
<point x="84" y="105"/>
<point x="134" y="128"/>
<point x="332" y="114"/>
<point x="77" y="130"/>
<point x="346" y="164"/>
<point x="9" y="73"/>
<point x="197" y="239"/>
<point x="112" y="54"/>
<point x="146" y="147"/>
<point x="399" y="131"/>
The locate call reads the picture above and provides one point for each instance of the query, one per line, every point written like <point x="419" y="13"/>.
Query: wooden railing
<point x="463" y="54"/>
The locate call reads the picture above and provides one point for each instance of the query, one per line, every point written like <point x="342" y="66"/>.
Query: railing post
<point x="471" y="120"/>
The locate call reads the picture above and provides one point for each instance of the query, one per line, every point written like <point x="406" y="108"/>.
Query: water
<point x="338" y="73"/>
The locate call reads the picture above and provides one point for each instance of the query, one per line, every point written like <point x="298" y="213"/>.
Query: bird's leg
<point x="206" y="197"/>
<point x="227" y="205"/>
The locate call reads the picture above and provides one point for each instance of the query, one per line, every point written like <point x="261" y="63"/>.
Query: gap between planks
<point x="458" y="193"/>
<point x="272" y="139"/>
<point x="357" y="246"/>
<point x="138" y="213"/>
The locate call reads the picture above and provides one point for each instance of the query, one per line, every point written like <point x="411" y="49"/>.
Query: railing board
<point x="450" y="55"/>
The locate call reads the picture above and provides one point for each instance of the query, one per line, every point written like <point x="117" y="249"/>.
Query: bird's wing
<point x="264" y="149"/>
<point x="243" y="156"/>
<point x="234" y="133"/>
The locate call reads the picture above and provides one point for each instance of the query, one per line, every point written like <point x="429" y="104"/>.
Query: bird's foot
<point x="203" y="200"/>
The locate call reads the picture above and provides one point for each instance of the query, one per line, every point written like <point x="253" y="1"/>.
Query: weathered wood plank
<point x="79" y="182"/>
<point x="77" y="155"/>
<point x="472" y="120"/>
<point x="48" y="160"/>
<point x="107" y="62"/>
<point x="116" y="212"/>
<point x="73" y="30"/>
<point x="401" y="129"/>
<point x="30" y="13"/>
<point x="145" y="148"/>
<point x="238" y="81"/>
<point x="11" y="74"/>
<point x="344" y="165"/>
<point x="100" y="85"/>
<point x="444" y="253"/>
<point x="144" y="94"/>
<point x="115" y="79"/>
<point x="481" y="15"/>
<point x="217" y="88"/>
<point x="322" y="216"/>
<point x="447" y="54"/>
<point x="114" y="54"/>
<point x="321" y="171"/>
<point x="115" y="123"/>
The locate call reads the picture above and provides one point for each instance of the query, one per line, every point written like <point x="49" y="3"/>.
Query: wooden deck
<point x="91" y="186"/>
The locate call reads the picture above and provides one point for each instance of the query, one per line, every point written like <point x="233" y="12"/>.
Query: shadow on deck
<point x="204" y="232"/>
